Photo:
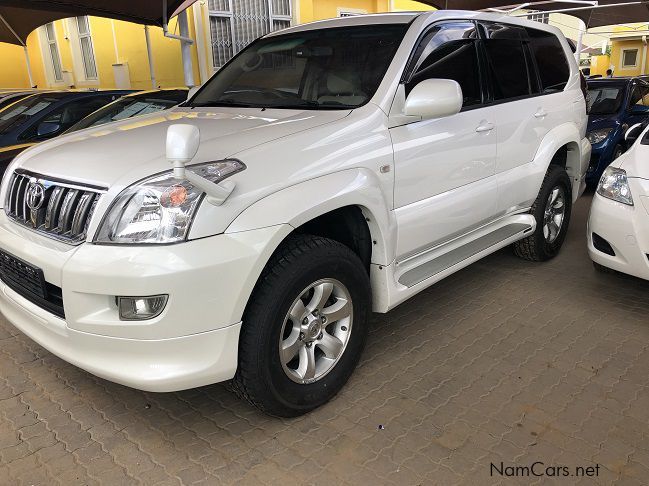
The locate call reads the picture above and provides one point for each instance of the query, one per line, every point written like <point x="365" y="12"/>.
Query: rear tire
<point x="304" y="328"/>
<point x="551" y="210"/>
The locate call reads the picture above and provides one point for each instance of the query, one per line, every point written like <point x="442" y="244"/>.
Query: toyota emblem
<point x="35" y="196"/>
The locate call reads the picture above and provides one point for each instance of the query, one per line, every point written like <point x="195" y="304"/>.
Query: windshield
<point x="10" y="100"/>
<point x="605" y="100"/>
<point x="130" y="106"/>
<point x="337" y="68"/>
<point x="22" y="111"/>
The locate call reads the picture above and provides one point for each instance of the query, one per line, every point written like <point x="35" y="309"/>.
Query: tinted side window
<point x="67" y="115"/>
<point x="640" y="96"/>
<point x="508" y="68"/>
<point x="550" y="56"/>
<point x="449" y="51"/>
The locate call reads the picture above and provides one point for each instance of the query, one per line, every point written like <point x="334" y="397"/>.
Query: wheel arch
<point x="562" y="147"/>
<point x="310" y="207"/>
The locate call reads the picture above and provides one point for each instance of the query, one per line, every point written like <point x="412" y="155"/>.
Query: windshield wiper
<point x="236" y="104"/>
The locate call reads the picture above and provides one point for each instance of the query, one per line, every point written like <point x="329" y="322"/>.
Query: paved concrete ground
<point x="506" y="362"/>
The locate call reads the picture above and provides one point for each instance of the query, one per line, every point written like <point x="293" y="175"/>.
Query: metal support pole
<point x="149" y="52"/>
<point x="580" y="40"/>
<point x="185" y="47"/>
<point x="22" y="43"/>
<point x="29" y="68"/>
<point x="112" y="26"/>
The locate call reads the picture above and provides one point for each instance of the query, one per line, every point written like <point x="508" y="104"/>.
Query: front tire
<point x="551" y="210"/>
<point x="304" y="328"/>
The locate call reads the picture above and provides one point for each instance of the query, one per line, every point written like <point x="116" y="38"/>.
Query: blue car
<point x="614" y="105"/>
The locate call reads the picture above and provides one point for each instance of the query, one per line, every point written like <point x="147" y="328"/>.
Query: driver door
<point x="445" y="182"/>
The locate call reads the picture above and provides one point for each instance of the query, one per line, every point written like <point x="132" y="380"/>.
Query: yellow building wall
<point x="14" y="72"/>
<point x="131" y="48"/>
<point x="128" y="39"/>
<point x="310" y="10"/>
<point x="599" y="65"/>
<point x="410" y="5"/>
<point x="617" y="47"/>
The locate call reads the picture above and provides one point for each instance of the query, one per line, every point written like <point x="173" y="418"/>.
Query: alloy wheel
<point x="555" y="211"/>
<point x="316" y="331"/>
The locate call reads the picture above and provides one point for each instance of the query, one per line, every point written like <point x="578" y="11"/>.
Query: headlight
<point x="614" y="185"/>
<point x="597" y="136"/>
<point x="159" y="209"/>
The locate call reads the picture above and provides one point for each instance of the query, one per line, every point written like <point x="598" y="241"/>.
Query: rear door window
<point x="554" y="70"/>
<point x="511" y="71"/>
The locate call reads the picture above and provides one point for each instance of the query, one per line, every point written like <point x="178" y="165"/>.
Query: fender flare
<point x="303" y="202"/>
<point x="563" y="135"/>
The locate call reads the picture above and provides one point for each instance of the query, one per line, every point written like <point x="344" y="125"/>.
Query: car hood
<point x="636" y="161"/>
<point x="127" y="151"/>
<point x="596" y="122"/>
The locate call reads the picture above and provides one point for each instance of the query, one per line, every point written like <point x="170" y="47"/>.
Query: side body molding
<point x="298" y="204"/>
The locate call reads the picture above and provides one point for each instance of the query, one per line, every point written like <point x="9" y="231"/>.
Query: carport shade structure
<point x="18" y="18"/>
<point x="592" y="13"/>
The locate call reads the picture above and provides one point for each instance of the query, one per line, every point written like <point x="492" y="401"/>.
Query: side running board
<point x="462" y="253"/>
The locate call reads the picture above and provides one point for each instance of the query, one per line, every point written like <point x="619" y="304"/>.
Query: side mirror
<point x="46" y="129"/>
<point x="182" y="144"/>
<point x="632" y="133"/>
<point x="434" y="98"/>
<point x="192" y="91"/>
<point x="183" y="141"/>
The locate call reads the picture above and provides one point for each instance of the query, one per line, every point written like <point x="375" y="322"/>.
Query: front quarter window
<point x="336" y="68"/>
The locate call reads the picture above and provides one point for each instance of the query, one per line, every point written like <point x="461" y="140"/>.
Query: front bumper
<point x="159" y="365"/>
<point x="193" y="342"/>
<point x="625" y="228"/>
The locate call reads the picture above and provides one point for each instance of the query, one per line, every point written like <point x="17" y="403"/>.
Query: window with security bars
<point x="53" y="48"/>
<point x="87" y="53"/>
<point x="236" y="23"/>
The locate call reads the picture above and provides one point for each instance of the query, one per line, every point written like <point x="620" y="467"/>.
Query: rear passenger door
<point x="523" y="65"/>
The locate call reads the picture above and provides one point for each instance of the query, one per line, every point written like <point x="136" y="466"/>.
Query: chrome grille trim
<point x="65" y="212"/>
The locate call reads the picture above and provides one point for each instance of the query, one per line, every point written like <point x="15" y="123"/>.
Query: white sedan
<point x="618" y="226"/>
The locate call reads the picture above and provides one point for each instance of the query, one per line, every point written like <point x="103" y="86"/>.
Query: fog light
<point x="141" y="308"/>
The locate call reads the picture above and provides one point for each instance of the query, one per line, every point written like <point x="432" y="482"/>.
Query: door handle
<point x="540" y="113"/>
<point x="485" y="127"/>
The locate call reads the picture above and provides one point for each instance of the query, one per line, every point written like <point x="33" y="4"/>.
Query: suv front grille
<point x="59" y="210"/>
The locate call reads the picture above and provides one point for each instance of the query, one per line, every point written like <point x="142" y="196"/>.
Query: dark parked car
<point x="614" y="105"/>
<point x="42" y="116"/>
<point x="131" y="105"/>
<point x="8" y="97"/>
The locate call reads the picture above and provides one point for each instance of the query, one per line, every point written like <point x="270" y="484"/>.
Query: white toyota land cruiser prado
<point x="329" y="170"/>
